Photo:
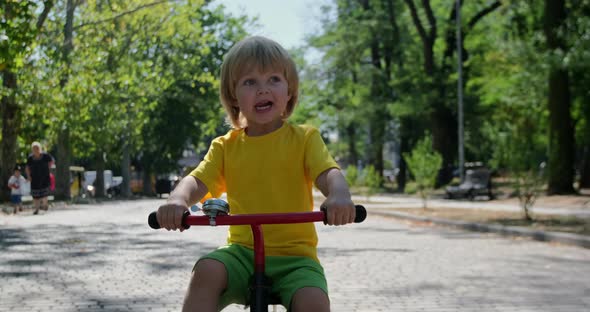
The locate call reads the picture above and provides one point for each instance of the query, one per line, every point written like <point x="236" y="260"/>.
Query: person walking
<point x="38" y="168"/>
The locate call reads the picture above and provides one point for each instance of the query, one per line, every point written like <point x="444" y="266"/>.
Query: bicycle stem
<point x="260" y="287"/>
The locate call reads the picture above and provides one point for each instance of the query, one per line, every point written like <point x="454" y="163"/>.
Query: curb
<point x="565" y="238"/>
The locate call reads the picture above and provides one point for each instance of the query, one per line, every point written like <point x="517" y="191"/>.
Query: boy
<point x="265" y="165"/>
<point x="15" y="183"/>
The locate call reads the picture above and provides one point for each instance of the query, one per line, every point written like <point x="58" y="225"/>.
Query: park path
<point x="104" y="258"/>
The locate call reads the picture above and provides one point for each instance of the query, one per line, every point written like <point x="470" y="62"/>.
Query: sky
<point x="285" y="21"/>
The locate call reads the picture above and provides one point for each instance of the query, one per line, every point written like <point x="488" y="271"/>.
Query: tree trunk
<point x="379" y="114"/>
<point x="561" y="130"/>
<point x="11" y="121"/>
<point x="99" y="190"/>
<point x="147" y="181"/>
<point x="62" y="165"/>
<point x="444" y="141"/>
<point x="403" y="167"/>
<point x="444" y="138"/>
<point x="64" y="150"/>
<point x="585" y="146"/>
<point x="125" y="172"/>
<point x="352" y="152"/>
<point x="585" y="168"/>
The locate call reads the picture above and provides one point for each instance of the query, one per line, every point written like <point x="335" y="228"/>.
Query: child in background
<point x="16" y="183"/>
<point x="265" y="165"/>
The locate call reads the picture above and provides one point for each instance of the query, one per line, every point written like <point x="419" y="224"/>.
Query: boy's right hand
<point x="170" y="215"/>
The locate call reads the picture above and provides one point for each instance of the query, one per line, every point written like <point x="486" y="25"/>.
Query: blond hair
<point x="249" y="54"/>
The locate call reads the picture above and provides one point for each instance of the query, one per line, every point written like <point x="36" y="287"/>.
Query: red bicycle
<point x="217" y="213"/>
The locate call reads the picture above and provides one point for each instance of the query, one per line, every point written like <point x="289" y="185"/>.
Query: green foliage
<point x="424" y="164"/>
<point x="372" y="180"/>
<point x="146" y="75"/>
<point x="18" y="29"/>
<point x="352" y="175"/>
<point x="519" y="152"/>
<point x="147" y="78"/>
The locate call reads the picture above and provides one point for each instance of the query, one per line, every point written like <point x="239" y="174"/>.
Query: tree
<point x="188" y="109"/>
<point x="355" y="81"/>
<point x="20" y="27"/>
<point x="105" y="73"/>
<point x="578" y="25"/>
<point x="442" y="117"/>
<point x="561" y="130"/>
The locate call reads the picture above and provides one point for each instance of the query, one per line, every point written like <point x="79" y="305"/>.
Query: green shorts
<point x="288" y="274"/>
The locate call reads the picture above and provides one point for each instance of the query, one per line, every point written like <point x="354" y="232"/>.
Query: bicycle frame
<point x="259" y="293"/>
<point x="260" y="288"/>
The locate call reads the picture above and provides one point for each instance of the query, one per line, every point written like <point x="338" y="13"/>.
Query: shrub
<point x="352" y="175"/>
<point x="424" y="164"/>
<point x="372" y="180"/>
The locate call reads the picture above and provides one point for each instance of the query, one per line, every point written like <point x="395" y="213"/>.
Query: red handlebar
<point x="265" y="218"/>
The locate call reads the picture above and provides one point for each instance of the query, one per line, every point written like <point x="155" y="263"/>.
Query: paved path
<point x="105" y="258"/>
<point x="404" y="201"/>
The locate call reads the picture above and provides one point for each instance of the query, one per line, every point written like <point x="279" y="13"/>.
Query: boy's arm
<point x="11" y="183"/>
<point x="188" y="191"/>
<point x="340" y="206"/>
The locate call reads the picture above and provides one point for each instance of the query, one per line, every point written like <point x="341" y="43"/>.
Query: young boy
<point x="265" y="165"/>
<point x="16" y="183"/>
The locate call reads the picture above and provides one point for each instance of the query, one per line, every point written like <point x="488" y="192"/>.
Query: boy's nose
<point x="262" y="90"/>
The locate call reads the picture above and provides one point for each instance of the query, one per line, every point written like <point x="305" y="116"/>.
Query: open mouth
<point x="263" y="106"/>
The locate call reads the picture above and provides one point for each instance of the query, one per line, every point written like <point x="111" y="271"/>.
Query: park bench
<point x="477" y="182"/>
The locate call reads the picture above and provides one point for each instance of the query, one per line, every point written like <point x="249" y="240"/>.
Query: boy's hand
<point x="340" y="210"/>
<point x="170" y="215"/>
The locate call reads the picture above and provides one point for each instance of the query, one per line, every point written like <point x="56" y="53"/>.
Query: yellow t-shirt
<point x="272" y="173"/>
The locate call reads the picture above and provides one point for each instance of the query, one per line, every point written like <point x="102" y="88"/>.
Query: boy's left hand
<point x="340" y="210"/>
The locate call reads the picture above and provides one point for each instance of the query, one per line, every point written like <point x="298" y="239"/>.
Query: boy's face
<point x="262" y="98"/>
<point x="16" y="173"/>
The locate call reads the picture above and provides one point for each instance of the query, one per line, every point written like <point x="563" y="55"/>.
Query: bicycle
<point x="217" y="213"/>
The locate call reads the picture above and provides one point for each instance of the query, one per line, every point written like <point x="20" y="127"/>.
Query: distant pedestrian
<point x="16" y="183"/>
<point x="38" y="167"/>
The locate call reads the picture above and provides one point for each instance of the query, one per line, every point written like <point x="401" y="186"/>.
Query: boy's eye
<point x="249" y="82"/>
<point x="275" y="79"/>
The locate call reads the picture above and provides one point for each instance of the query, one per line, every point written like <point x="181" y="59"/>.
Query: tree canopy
<point x="134" y="84"/>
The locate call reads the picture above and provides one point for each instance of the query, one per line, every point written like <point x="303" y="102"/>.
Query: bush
<point x="352" y="175"/>
<point x="372" y="180"/>
<point x="424" y="164"/>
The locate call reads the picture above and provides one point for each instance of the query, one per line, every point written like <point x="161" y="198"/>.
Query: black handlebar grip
<point x="360" y="215"/>
<point x="153" y="220"/>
